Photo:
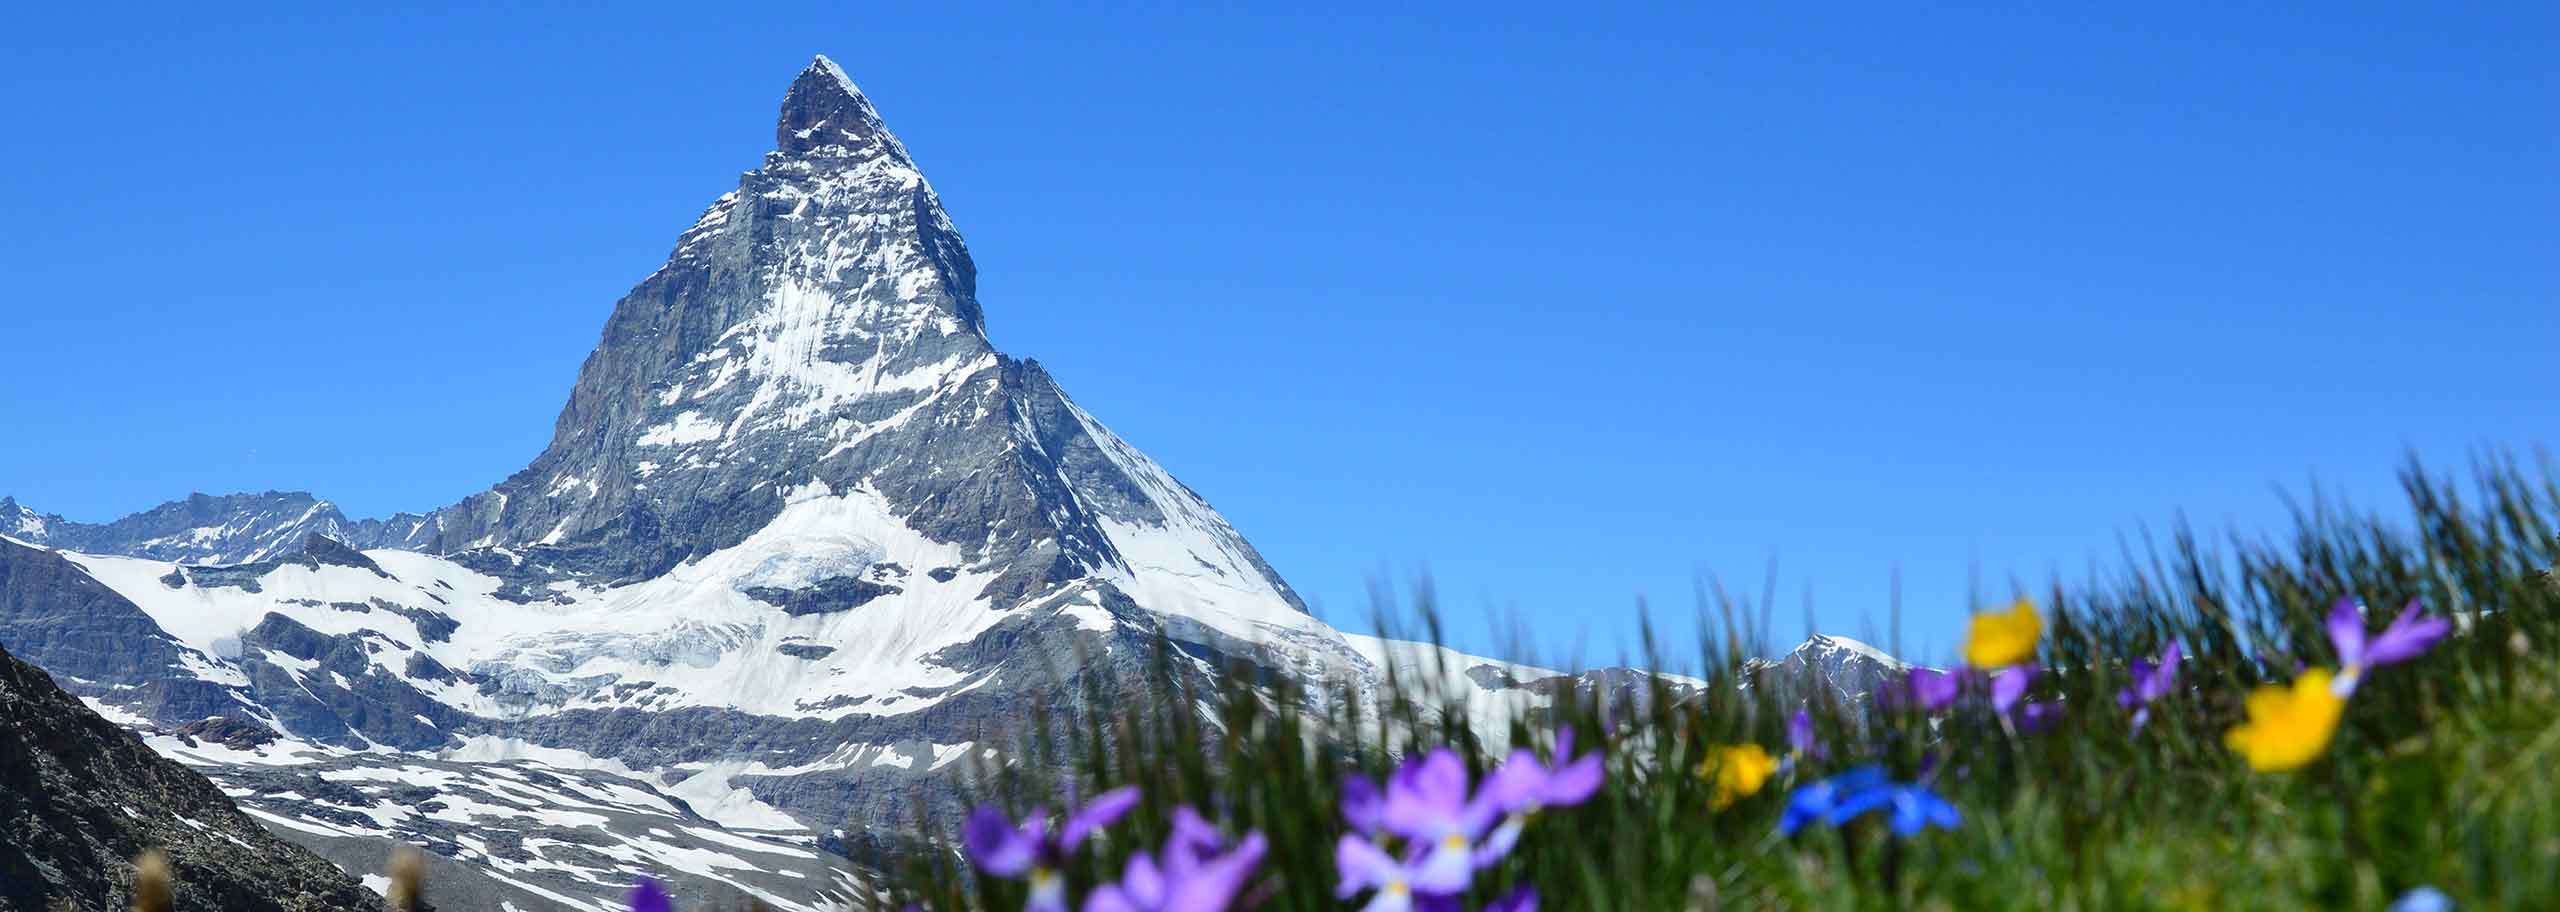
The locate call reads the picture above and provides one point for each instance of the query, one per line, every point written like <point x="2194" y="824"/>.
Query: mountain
<point x="205" y="529"/>
<point x="1846" y="668"/>
<point x="803" y="548"/>
<point x="83" y="797"/>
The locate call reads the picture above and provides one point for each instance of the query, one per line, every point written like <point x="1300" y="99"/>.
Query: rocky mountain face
<point x="80" y="797"/>
<point x="803" y="549"/>
<point x="1843" y="668"/>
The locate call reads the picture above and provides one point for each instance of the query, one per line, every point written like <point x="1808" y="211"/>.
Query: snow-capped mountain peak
<point x="826" y="114"/>
<point x="803" y="541"/>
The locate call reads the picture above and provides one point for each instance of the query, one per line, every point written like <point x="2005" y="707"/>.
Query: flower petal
<point x="1524" y="899"/>
<point x="1219" y="880"/>
<point x="1426" y="796"/>
<point x="2408" y="637"/>
<point x="2010" y="685"/>
<point x="1144" y="882"/>
<point x="1518" y="783"/>
<point x="1362" y="805"/>
<point x="995" y="845"/>
<point x="1800" y="735"/>
<point x="2346" y="631"/>
<point x="1499" y="842"/>
<point x="1096" y="814"/>
<point x="1575" y="782"/>
<point x="1110" y="898"/>
<point x="1854" y="804"/>
<point x="1447" y="866"/>
<point x="1362" y="865"/>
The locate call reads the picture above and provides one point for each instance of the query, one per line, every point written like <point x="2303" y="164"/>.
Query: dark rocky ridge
<point x="79" y="797"/>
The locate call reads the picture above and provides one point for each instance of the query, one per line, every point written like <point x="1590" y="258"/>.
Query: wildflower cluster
<point x="1197" y="870"/>
<point x="2289" y="727"/>
<point x="1424" y="836"/>
<point x="1420" y="842"/>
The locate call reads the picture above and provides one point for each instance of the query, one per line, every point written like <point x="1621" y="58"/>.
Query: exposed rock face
<point x="80" y="797"/>
<point x="1844" y="668"/>
<point x="54" y="611"/>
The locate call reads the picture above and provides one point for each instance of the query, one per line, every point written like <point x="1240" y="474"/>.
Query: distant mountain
<point x="206" y="529"/>
<point x="1846" y="668"/>
<point x="81" y="797"/>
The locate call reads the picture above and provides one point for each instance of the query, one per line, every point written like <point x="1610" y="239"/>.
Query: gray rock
<point x="80" y="797"/>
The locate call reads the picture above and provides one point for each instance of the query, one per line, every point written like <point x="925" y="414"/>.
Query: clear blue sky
<point x="1566" y="303"/>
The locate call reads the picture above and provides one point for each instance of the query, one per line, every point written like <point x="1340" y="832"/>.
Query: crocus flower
<point x="1427" y="802"/>
<point x="1196" y="876"/>
<point x="1738" y="772"/>
<point x="1524" y="785"/>
<point x="2151" y="681"/>
<point x="1000" y="847"/>
<point x="1801" y="741"/>
<point x="1930" y="689"/>
<point x="1364" y="866"/>
<point x="1813" y="801"/>
<point x="2407" y="637"/>
<point x="2288" y="727"/>
<point x="1998" y="639"/>
<point x="648" y="896"/>
<point x="1909" y="808"/>
<point x="1362" y="806"/>
<point x="2008" y="688"/>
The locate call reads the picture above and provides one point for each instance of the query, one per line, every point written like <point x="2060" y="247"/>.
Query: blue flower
<point x="1911" y="808"/>
<point x="1813" y="801"/>
<point x="1853" y="794"/>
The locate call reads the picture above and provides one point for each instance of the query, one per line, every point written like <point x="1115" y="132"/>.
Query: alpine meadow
<point x="2140" y="415"/>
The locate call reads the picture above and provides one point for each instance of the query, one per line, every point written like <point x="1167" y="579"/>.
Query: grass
<point x="2438" y="774"/>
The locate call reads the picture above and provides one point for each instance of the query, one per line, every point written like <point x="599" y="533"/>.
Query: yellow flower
<point x="1738" y="772"/>
<point x="1999" y="639"/>
<point x="2288" y="728"/>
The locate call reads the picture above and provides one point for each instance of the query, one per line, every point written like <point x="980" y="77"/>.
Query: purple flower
<point x="1525" y="784"/>
<point x="2151" y="681"/>
<point x="1198" y="875"/>
<point x="1801" y="740"/>
<point x="2008" y="687"/>
<point x="1814" y="801"/>
<point x="2037" y="716"/>
<point x="1362" y="806"/>
<point x="2407" y="637"/>
<point x="1524" y="899"/>
<point x="1427" y="803"/>
<point x="1931" y="690"/>
<point x="1000" y="847"/>
<point x="648" y="896"/>
<point x="1364" y="866"/>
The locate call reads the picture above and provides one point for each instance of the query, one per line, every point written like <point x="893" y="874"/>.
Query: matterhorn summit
<point x="803" y="546"/>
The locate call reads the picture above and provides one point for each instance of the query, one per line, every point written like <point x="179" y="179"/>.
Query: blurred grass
<point x="2442" y="773"/>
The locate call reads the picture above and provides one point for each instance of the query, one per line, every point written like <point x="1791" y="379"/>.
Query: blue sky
<point x="1566" y="304"/>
